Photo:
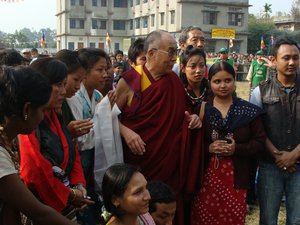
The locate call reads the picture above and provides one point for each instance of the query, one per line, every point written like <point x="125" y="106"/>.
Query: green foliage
<point x="26" y="38"/>
<point x="267" y="10"/>
<point x="259" y="27"/>
<point x="265" y="27"/>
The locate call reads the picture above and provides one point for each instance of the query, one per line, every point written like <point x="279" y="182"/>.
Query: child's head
<point x="118" y="68"/>
<point x="136" y="52"/>
<point x="95" y="62"/>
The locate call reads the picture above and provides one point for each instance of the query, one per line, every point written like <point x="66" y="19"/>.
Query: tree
<point x="295" y="11"/>
<point x="25" y="38"/>
<point x="267" y="10"/>
<point x="256" y="28"/>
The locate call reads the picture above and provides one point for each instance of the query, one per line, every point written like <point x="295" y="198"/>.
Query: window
<point x="137" y="2"/>
<point x="131" y="3"/>
<point x="119" y="24"/>
<point x="235" y="19"/>
<point x="234" y="9"/>
<point x="117" y="46"/>
<point x="145" y="1"/>
<point x="94" y="3"/>
<point x="137" y="23"/>
<point x="92" y="45"/>
<point x="98" y="24"/>
<point x="145" y="22"/>
<point x="172" y="16"/>
<point x="210" y="17"/>
<point x="120" y="3"/>
<point x="131" y="24"/>
<point x="77" y="23"/>
<point x="103" y="3"/>
<point x="76" y="2"/>
<point x="152" y="20"/>
<point x="71" y="45"/>
<point x="162" y="18"/>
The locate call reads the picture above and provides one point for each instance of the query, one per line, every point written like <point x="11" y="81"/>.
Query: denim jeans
<point x="272" y="183"/>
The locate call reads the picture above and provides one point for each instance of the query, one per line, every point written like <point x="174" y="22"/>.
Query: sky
<point x="39" y="14"/>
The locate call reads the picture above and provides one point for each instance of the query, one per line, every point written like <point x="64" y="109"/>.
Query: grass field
<point x="253" y="218"/>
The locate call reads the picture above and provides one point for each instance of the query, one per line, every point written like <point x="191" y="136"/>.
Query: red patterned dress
<point x="222" y="197"/>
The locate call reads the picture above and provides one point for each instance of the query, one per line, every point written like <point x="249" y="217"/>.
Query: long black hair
<point x="114" y="184"/>
<point x="18" y="86"/>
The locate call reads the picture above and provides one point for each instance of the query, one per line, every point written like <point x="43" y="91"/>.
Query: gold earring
<point x="25" y="117"/>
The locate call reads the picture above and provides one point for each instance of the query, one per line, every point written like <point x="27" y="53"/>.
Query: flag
<point x="272" y="40"/>
<point x="43" y="40"/>
<point x="107" y="40"/>
<point x="230" y="43"/>
<point x="262" y="43"/>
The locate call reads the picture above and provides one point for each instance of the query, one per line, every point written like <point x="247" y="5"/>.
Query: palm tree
<point x="267" y="10"/>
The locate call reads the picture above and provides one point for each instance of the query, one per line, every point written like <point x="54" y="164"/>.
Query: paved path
<point x="243" y="89"/>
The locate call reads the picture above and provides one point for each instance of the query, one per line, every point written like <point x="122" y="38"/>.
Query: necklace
<point x="195" y="98"/>
<point x="10" y="147"/>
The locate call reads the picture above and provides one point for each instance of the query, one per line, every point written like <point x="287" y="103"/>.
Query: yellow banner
<point x="126" y="44"/>
<point x="222" y="33"/>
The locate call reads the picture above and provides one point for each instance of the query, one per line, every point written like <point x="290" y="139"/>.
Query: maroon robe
<point x="157" y="114"/>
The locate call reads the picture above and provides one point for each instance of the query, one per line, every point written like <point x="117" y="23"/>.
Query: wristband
<point x="74" y="195"/>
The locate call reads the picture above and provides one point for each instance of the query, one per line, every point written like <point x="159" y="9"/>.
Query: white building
<point x="85" y="23"/>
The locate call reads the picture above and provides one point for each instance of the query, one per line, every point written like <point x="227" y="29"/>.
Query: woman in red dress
<point x="232" y="132"/>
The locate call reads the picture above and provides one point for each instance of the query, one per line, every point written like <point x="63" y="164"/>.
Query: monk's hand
<point x="134" y="141"/>
<point x="112" y="97"/>
<point x="78" y="128"/>
<point x="193" y="120"/>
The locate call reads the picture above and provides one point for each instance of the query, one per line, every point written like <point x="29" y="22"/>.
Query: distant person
<point x="119" y="55"/>
<point x="34" y="54"/>
<point x="258" y="70"/>
<point x="136" y="53"/>
<point x="162" y="205"/>
<point x="223" y="56"/>
<point x="10" y="57"/>
<point x="118" y="69"/>
<point x="27" y="55"/>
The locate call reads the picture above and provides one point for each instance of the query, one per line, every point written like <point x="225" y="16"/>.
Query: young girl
<point x="95" y="63"/>
<point x="233" y="131"/>
<point x="192" y="73"/>
<point x="126" y="196"/>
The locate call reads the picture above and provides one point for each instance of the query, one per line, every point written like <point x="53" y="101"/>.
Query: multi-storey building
<point x="85" y="23"/>
<point x="287" y="23"/>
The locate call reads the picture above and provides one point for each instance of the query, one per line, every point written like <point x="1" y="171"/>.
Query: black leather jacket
<point x="282" y="118"/>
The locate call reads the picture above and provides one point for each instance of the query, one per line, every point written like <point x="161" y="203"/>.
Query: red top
<point x="36" y="170"/>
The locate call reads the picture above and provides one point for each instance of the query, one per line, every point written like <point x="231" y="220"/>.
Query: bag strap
<point x="202" y="110"/>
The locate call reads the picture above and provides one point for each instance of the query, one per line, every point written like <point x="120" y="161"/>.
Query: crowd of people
<point x="160" y="137"/>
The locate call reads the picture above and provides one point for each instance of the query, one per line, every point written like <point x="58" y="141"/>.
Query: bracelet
<point x="74" y="195"/>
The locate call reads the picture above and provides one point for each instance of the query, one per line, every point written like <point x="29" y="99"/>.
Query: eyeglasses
<point x="171" y="52"/>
